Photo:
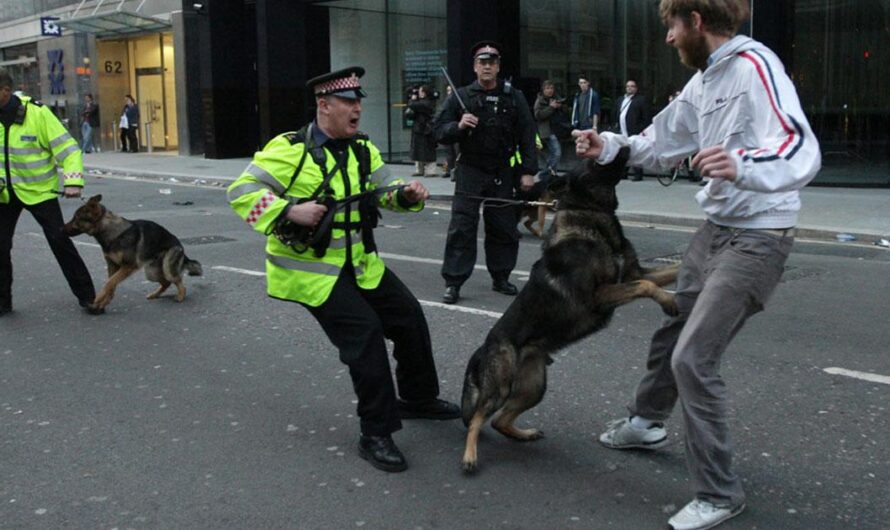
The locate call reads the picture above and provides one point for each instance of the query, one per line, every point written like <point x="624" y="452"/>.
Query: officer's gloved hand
<point x="415" y="192"/>
<point x="306" y="213"/>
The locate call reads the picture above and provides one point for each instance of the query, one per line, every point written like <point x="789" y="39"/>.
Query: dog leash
<point x="376" y="191"/>
<point x="503" y="203"/>
<point x="62" y="194"/>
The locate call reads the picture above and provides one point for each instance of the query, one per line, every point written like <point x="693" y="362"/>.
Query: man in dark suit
<point x="632" y="116"/>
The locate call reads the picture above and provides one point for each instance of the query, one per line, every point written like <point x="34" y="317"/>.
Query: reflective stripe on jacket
<point x="37" y="144"/>
<point x="256" y="197"/>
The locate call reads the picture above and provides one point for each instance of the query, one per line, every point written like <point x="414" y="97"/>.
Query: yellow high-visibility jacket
<point x="256" y="197"/>
<point x="33" y="146"/>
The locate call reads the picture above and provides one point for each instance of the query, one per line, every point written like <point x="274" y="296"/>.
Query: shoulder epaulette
<point x="36" y="103"/>
<point x="295" y="137"/>
<point x="362" y="136"/>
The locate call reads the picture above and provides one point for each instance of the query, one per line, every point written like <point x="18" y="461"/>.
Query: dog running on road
<point x="587" y="269"/>
<point x="131" y="245"/>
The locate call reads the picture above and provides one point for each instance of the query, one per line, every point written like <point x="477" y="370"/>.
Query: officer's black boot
<point x="430" y="409"/>
<point x="382" y="453"/>
<point x="452" y="294"/>
<point x="503" y="286"/>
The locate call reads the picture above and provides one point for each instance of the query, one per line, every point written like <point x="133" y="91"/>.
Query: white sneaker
<point x="700" y="514"/>
<point x="622" y="434"/>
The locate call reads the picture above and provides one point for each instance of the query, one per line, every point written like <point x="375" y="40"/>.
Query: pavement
<point x="826" y="211"/>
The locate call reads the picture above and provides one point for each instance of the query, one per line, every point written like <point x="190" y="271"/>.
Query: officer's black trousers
<point x="49" y="215"/>
<point x="501" y="236"/>
<point x="356" y="321"/>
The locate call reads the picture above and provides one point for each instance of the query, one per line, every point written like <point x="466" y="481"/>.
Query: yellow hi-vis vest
<point x="33" y="145"/>
<point x="256" y="197"/>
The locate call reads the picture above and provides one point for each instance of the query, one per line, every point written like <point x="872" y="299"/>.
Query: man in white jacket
<point x="741" y="113"/>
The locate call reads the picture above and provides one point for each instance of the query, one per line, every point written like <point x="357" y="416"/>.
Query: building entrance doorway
<point x="142" y="67"/>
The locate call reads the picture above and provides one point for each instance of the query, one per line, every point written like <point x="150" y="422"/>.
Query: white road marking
<point x="461" y="309"/>
<point x="239" y="271"/>
<point x="402" y="257"/>
<point x="76" y="242"/>
<point x="865" y="376"/>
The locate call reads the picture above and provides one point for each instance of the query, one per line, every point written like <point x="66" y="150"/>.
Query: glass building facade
<point x="834" y="50"/>
<point x="836" y="53"/>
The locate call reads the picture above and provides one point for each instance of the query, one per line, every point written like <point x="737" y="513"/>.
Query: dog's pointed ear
<point x="96" y="198"/>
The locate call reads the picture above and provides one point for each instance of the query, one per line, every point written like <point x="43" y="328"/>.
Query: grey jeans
<point x="727" y="275"/>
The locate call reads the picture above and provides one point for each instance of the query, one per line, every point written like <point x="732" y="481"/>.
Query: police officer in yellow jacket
<point x="34" y="144"/>
<point x="315" y="193"/>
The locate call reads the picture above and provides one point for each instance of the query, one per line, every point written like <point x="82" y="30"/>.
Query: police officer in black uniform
<point x="496" y="124"/>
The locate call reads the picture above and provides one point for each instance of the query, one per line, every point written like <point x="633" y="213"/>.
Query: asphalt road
<point x="231" y="410"/>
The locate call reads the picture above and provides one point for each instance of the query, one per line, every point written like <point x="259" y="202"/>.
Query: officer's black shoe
<point x="636" y="179"/>
<point x="382" y="453"/>
<point x="88" y="306"/>
<point x="431" y="409"/>
<point x="5" y="309"/>
<point x="452" y="294"/>
<point x="504" y="287"/>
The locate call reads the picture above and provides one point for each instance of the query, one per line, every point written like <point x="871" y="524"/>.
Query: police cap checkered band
<point x="342" y="83"/>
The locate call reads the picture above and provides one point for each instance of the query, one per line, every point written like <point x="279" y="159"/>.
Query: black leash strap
<point x="503" y="203"/>
<point x="359" y="196"/>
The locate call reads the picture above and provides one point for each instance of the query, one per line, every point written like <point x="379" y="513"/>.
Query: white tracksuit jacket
<point x="746" y="103"/>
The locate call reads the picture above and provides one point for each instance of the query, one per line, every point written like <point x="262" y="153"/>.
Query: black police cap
<point x="341" y="83"/>
<point x="487" y="49"/>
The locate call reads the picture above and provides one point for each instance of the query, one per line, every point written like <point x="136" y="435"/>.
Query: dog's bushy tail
<point x="192" y="266"/>
<point x="176" y="261"/>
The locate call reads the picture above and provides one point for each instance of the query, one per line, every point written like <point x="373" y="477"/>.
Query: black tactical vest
<point x="493" y="142"/>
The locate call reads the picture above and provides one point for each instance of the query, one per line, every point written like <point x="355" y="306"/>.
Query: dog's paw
<point x="470" y="467"/>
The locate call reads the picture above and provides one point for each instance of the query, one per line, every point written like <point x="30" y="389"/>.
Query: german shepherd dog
<point x="131" y="245"/>
<point x="587" y="269"/>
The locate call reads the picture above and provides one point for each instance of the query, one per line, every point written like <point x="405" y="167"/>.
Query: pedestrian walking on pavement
<point x="632" y="117"/>
<point x="129" y="125"/>
<point x="546" y="105"/>
<point x="496" y="122"/>
<point x="422" y="106"/>
<point x="586" y="106"/>
<point x="89" y="122"/>
<point x="36" y="142"/>
<point x="741" y="112"/>
<point x="450" y="149"/>
<point x="298" y="182"/>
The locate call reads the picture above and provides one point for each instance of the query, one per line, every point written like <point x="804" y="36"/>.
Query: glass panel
<point x="170" y="93"/>
<point x="25" y="74"/>
<point x="417" y="50"/>
<point x="840" y="69"/>
<point x="417" y="46"/>
<point x="149" y="89"/>
<point x="112" y="68"/>
<point x="564" y="39"/>
<point x="609" y="40"/>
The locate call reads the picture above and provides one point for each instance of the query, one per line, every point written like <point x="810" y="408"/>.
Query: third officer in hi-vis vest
<point x="496" y="120"/>
<point x="315" y="193"/>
